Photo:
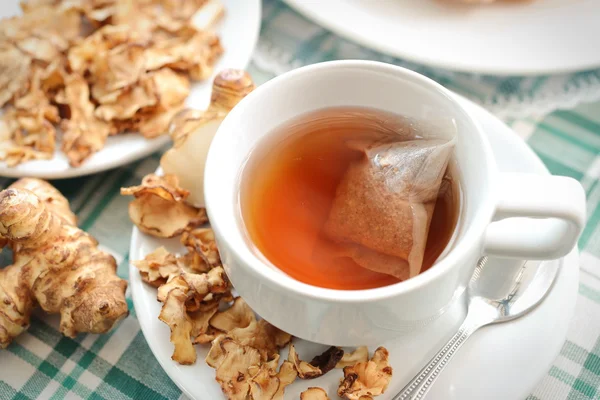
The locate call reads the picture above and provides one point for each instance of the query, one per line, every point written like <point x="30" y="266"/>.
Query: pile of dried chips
<point x="88" y="69"/>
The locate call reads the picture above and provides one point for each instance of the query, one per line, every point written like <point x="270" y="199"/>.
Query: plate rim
<point x="338" y="29"/>
<point x="72" y="172"/>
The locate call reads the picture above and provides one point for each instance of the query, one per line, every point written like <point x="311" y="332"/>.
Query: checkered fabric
<point x="43" y="364"/>
<point x="288" y="40"/>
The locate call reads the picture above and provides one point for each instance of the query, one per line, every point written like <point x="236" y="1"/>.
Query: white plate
<point x="504" y="38"/>
<point x="499" y="362"/>
<point x="238" y="31"/>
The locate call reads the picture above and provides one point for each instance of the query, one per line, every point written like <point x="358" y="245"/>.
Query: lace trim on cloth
<point x="507" y="97"/>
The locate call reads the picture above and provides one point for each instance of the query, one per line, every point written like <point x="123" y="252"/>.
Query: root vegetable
<point x="192" y="132"/>
<point x="56" y="265"/>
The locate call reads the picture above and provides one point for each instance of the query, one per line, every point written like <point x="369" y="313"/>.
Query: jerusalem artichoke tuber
<point x="55" y="265"/>
<point x="192" y="132"/>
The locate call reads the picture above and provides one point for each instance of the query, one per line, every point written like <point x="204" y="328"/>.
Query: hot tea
<point x="351" y="198"/>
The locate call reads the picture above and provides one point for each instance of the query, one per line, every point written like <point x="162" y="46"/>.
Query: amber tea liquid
<point x="289" y="184"/>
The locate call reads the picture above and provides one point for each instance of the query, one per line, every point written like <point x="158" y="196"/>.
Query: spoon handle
<point x="418" y="387"/>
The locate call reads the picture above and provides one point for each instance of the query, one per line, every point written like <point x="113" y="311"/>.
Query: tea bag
<point x="383" y="205"/>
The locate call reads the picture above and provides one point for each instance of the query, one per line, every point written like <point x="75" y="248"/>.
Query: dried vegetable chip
<point x="113" y="66"/>
<point x="366" y="379"/>
<point x="27" y="130"/>
<point x="314" y="393"/>
<point x="83" y="133"/>
<point x="159" y="207"/>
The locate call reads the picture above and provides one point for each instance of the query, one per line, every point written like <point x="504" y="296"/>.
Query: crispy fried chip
<point x="156" y="122"/>
<point x="215" y="354"/>
<point x="157" y="267"/>
<point x="210" y="335"/>
<point x="259" y="335"/>
<point x="202" y="242"/>
<point x="127" y="103"/>
<point x="190" y="325"/>
<point x="170" y="88"/>
<point x="27" y="129"/>
<point x="182" y="9"/>
<point x="201" y="332"/>
<point x="122" y="70"/>
<point x="369" y="378"/>
<point x="305" y="370"/>
<point x="11" y="151"/>
<point x="165" y="187"/>
<point x="159" y="208"/>
<point x="61" y="25"/>
<point x="268" y="384"/>
<point x="175" y="282"/>
<point x="116" y="69"/>
<point x="327" y="360"/>
<point x="197" y="286"/>
<point x="35" y="105"/>
<point x="263" y="383"/>
<point x="232" y="370"/>
<point x="191" y="51"/>
<point x="82" y="55"/>
<point x="40" y="49"/>
<point x="262" y="336"/>
<point x="212" y="282"/>
<point x="314" y="393"/>
<point x="361" y="354"/>
<point x="14" y="71"/>
<point x="99" y="10"/>
<point x="287" y="375"/>
<point x="151" y="105"/>
<point x="29" y="5"/>
<point x="53" y="79"/>
<point x="239" y="315"/>
<point x="160" y="266"/>
<point x="193" y="262"/>
<point x="174" y="314"/>
<point x="163" y="88"/>
<point x="83" y="133"/>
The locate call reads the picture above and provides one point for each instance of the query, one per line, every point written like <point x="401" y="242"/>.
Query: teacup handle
<point x="559" y="200"/>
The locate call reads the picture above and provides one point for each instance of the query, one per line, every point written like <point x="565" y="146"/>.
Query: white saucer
<point x="503" y="38"/>
<point x="238" y="33"/>
<point x="502" y="362"/>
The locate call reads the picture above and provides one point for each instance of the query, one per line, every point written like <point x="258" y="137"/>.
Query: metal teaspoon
<point x="483" y="311"/>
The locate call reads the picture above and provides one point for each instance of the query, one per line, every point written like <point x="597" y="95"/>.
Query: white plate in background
<point x="238" y="32"/>
<point x="499" y="362"/>
<point x="508" y="37"/>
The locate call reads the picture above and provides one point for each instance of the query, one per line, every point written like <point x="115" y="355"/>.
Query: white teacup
<point x="370" y="317"/>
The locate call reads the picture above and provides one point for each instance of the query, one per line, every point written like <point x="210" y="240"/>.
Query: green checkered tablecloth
<point x="119" y="365"/>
